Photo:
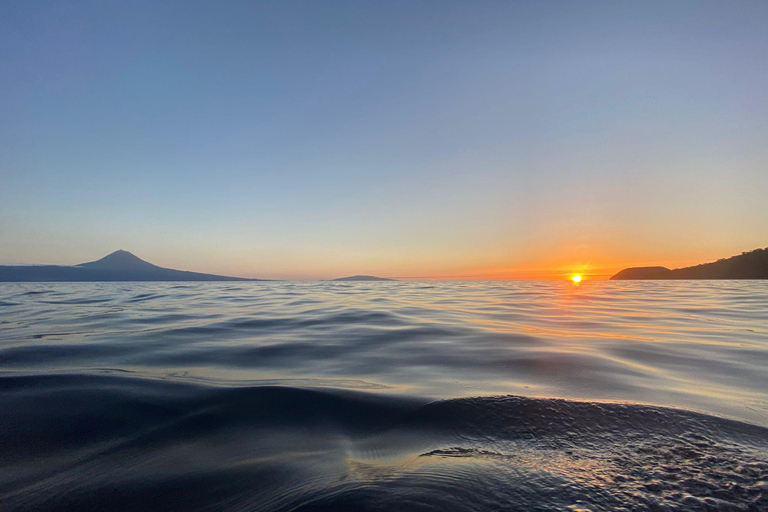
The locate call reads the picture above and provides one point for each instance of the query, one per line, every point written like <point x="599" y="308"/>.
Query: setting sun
<point x="576" y="278"/>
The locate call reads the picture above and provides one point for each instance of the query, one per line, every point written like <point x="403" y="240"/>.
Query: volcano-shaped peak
<point x="119" y="266"/>
<point x="119" y="260"/>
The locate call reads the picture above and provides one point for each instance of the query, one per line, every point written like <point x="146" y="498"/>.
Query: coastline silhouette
<point x="747" y="265"/>
<point x="363" y="278"/>
<point x="118" y="266"/>
<point x="124" y="266"/>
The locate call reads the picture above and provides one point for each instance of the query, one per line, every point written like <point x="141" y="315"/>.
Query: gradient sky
<point x="469" y="140"/>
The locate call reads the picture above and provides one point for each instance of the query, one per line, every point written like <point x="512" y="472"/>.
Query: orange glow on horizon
<point x="525" y="271"/>
<point x="557" y="263"/>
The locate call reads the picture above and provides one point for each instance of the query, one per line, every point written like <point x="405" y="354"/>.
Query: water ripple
<point x="384" y="396"/>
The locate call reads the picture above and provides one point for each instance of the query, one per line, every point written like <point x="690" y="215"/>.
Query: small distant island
<point x="747" y="265"/>
<point x="118" y="266"/>
<point x="363" y="278"/>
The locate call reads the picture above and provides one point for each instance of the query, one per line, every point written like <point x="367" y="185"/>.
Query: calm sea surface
<point x="384" y="396"/>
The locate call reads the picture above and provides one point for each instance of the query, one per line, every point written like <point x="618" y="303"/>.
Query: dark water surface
<point x="384" y="396"/>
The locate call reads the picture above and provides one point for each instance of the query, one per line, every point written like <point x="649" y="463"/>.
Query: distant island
<point x="363" y="278"/>
<point x="118" y="266"/>
<point x="747" y="265"/>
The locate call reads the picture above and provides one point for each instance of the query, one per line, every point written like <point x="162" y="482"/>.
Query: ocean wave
<point x="386" y="396"/>
<point x="87" y="442"/>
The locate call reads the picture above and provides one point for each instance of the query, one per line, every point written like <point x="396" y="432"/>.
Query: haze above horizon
<point x="447" y="140"/>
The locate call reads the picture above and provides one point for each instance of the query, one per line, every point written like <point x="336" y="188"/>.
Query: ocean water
<point x="277" y="396"/>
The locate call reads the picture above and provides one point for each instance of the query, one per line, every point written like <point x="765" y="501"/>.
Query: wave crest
<point x="74" y="442"/>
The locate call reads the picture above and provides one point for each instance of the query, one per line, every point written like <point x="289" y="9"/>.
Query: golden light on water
<point x="576" y="278"/>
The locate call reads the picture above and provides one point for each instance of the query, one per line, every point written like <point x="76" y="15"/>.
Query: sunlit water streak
<point x="378" y="396"/>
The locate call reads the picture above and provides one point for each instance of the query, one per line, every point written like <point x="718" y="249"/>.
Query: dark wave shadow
<point x="76" y="442"/>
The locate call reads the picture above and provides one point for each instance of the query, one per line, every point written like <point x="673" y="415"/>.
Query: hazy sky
<point x="398" y="138"/>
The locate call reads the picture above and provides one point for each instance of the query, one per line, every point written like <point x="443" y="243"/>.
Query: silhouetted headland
<point x="118" y="266"/>
<point x="747" y="265"/>
<point x="363" y="278"/>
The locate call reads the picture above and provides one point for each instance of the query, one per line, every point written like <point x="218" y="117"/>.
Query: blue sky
<point x="422" y="139"/>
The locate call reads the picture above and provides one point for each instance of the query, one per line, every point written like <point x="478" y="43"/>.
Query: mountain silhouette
<point x="118" y="266"/>
<point x="747" y="265"/>
<point x="363" y="278"/>
<point x="120" y="260"/>
<point x="642" y="273"/>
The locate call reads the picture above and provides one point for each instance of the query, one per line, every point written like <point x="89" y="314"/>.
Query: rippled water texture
<point x="384" y="396"/>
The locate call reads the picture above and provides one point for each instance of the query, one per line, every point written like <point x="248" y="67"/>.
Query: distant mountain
<point x="120" y="259"/>
<point x="747" y="265"/>
<point x="118" y="266"/>
<point x="363" y="278"/>
<point x="643" y="273"/>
